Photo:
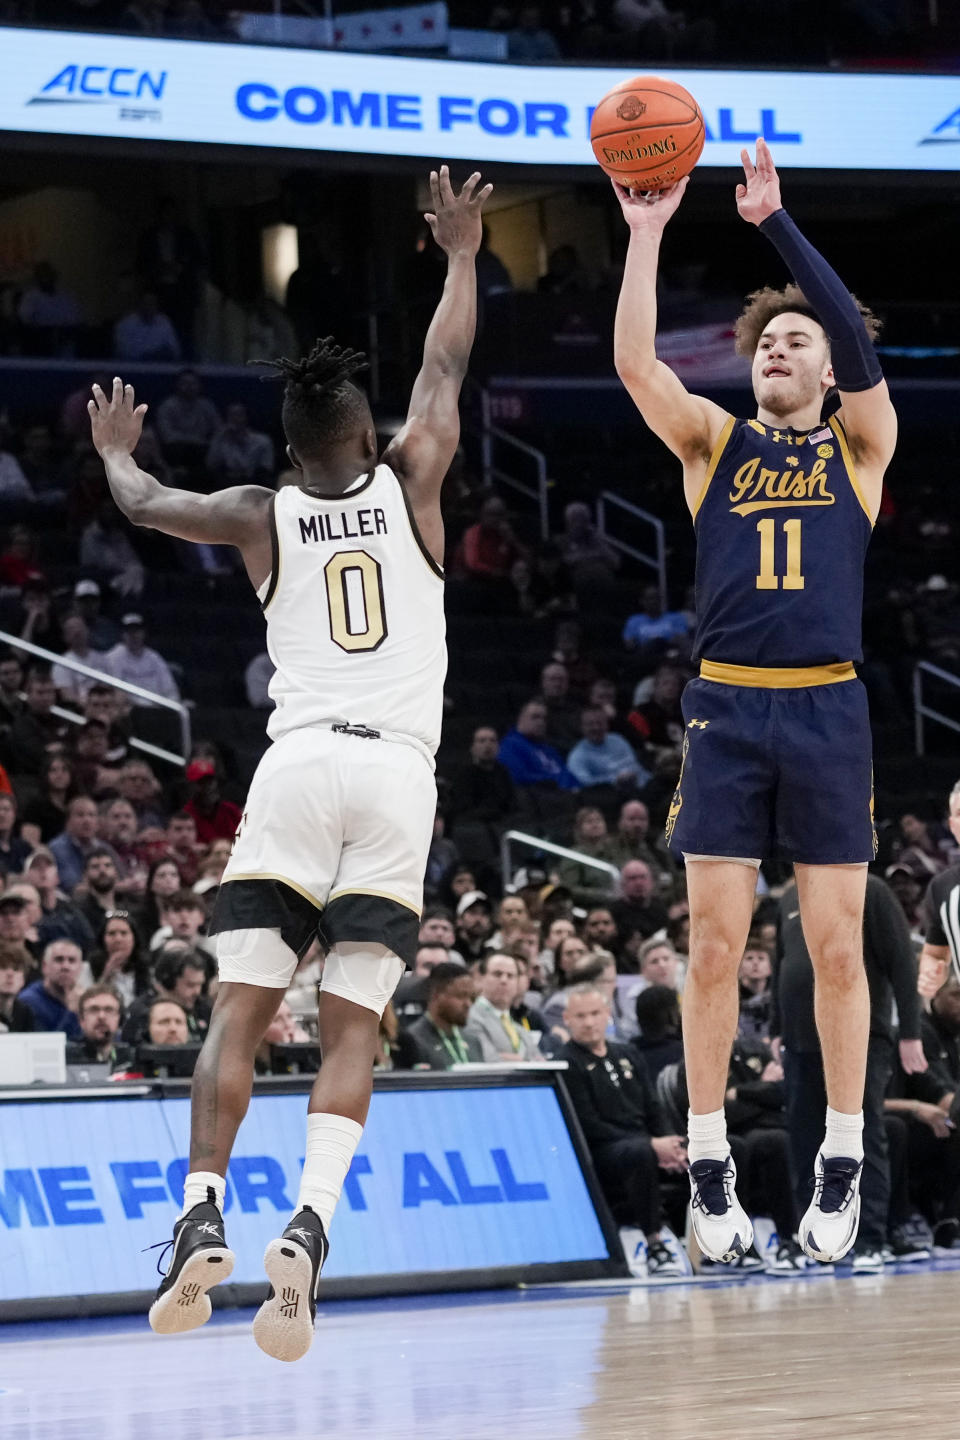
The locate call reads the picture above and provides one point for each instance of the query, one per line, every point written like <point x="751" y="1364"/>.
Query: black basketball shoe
<point x="283" y="1326"/>
<point x="199" y="1261"/>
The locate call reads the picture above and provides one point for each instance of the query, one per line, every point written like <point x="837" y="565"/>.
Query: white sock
<point x="707" y="1136"/>
<point x="195" y="1188"/>
<point x="331" y="1142"/>
<point x="844" y="1135"/>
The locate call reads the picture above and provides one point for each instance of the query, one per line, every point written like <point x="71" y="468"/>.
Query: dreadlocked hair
<point x="321" y="404"/>
<point x="764" y="305"/>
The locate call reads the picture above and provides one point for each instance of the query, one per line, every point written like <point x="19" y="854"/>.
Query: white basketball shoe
<point x="829" y="1228"/>
<point x="723" y="1228"/>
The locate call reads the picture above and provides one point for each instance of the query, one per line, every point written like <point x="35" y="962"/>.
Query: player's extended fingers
<point x="482" y="196"/>
<point x="741" y="192"/>
<point x="128" y="396"/>
<point x="469" y="185"/>
<point x="116" y="399"/>
<point x="99" y="399"/>
<point x="141" y="410"/>
<point x="749" y="169"/>
<point x="446" y="189"/>
<point x="765" y="163"/>
<point x="434" y="191"/>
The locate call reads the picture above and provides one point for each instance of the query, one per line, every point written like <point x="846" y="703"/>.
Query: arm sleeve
<point x="855" y="362"/>
<point x="887" y="937"/>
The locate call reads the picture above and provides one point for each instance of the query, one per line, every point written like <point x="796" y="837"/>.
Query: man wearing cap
<point x="215" y="818"/>
<point x="134" y="661"/>
<point x="102" y="632"/>
<point x="71" y="685"/>
<point x="52" y="998"/>
<point x="474" y="924"/>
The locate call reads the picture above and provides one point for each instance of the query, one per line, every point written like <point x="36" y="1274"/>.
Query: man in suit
<point x="490" y="1022"/>
<point x="439" y="1034"/>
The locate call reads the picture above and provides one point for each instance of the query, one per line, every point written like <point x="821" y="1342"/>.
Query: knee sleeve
<point x="363" y="973"/>
<point x="255" y="957"/>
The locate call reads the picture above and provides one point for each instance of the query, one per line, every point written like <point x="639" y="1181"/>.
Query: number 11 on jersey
<point x="768" y="579"/>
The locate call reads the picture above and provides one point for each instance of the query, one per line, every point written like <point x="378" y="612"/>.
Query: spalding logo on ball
<point x="647" y="133"/>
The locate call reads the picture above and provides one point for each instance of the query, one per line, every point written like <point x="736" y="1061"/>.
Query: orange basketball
<point x="647" y="133"/>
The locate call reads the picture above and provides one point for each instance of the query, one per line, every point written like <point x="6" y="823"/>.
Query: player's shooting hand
<point x="649" y="212"/>
<point x="759" y="197"/>
<point x="116" y="422"/>
<point x="456" y="220"/>
<point x="912" y="1058"/>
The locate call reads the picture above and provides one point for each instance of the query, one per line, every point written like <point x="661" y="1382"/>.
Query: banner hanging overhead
<point x="54" y="82"/>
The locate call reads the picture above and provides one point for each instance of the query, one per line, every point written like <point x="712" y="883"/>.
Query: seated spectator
<point x="256" y="682"/>
<point x="591" y="839"/>
<point x="91" y="749"/>
<point x="183" y="918"/>
<point x="659" y="964"/>
<point x="908" y="886"/>
<point x="529" y="41"/>
<point x="58" y="916"/>
<point x="140" y="786"/>
<point x="437" y="928"/>
<point x="18" y="920"/>
<point x="179" y="975"/>
<point x="659" y="1038"/>
<point x="481" y="798"/>
<point x="167" y="1023"/>
<point x="488" y="549"/>
<point x="543" y="584"/>
<point x="756" y="995"/>
<point x="118" y="829"/>
<point x="163" y="880"/>
<point x="527" y="756"/>
<point x="215" y="818"/>
<point x="597" y="968"/>
<point x="563" y="712"/>
<point x="474" y="925"/>
<point x="923" y="846"/>
<point x="632" y="840"/>
<point x="638" y="908"/>
<point x="568" y="951"/>
<point x="653" y="630"/>
<point x="188" y="421"/>
<point x="53" y="998"/>
<point x="77" y="840"/>
<point x="410" y="996"/>
<point x="102" y="633"/>
<point x="36" y="732"/>
<point x="15" y="961"/>
<point x="14" y="851"/>
<point x="490" y="1020"/>
<point x="145" y="333"/>
<point x="182" y="845"/>
<point x="284" y="1029"/>
<point x="560" y="928"/>
<point x="512" y="915"/>
<point x="565" y="273"/>
<point x="48" y="313"/>
<point x="99" y="1011"/>
<point x="621" y="1120"/>
<point x="604" y="759"/>
<point x="658" y="720"/>
<point x="439" y="1034"/>
<point x="600" y="929"/>
<point x="105" y="548"/>
<point x="119" y="961"/>
<point x="591" y="560"/>
<point x="137" y="664"/>
<point x="238" y="455"/>
<point x="71" y="685"/>
<point x="100" y="877"/>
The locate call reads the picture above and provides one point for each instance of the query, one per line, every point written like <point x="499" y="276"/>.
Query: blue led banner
<point x="54" y="82"/>
<point x="444" y="1180"/>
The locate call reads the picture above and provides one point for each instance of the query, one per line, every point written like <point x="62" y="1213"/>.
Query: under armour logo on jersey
<point x="698" y="724"/>
<point x="208" y="1228"/>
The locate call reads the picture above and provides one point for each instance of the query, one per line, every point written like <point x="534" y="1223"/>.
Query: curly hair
<point x="763" y="305"/>
<point x="321" y="404"/>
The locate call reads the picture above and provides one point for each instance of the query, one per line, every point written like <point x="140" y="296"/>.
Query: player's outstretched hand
<point x="650" y="210"/>
<point x="117" y="422"/>
<point x="456" y="220"/>
<point x="759" y="197"/>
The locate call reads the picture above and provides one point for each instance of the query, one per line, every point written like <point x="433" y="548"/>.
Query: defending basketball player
<point x="339" y="817"/>
<point x="777" y="753"/>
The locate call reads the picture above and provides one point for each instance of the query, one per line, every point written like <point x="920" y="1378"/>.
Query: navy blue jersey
<point x="782" y="532"/>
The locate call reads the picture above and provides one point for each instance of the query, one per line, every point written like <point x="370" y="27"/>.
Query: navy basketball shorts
<point x="775" y="772"/>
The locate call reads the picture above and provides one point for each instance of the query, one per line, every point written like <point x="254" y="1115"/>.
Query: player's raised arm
<point x="868" y="415"/>
<point x="687" y="424"/>
<point x="236" y="516"/>
<point x="421" y="452"/>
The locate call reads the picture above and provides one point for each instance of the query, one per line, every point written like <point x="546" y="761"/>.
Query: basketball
<point x="647" y="133"/>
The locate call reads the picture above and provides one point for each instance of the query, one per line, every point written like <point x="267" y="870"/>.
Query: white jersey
<point x="354" y="610"/>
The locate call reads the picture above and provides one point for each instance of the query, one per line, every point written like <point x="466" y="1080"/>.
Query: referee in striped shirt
<point x="941" y="917"/>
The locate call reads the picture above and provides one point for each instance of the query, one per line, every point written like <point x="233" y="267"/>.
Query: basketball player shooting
<point x="339" y="817"/>
<point x="777" y="749"/>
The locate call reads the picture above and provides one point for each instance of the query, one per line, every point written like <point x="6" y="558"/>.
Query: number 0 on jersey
<point x="354" y="583"/>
